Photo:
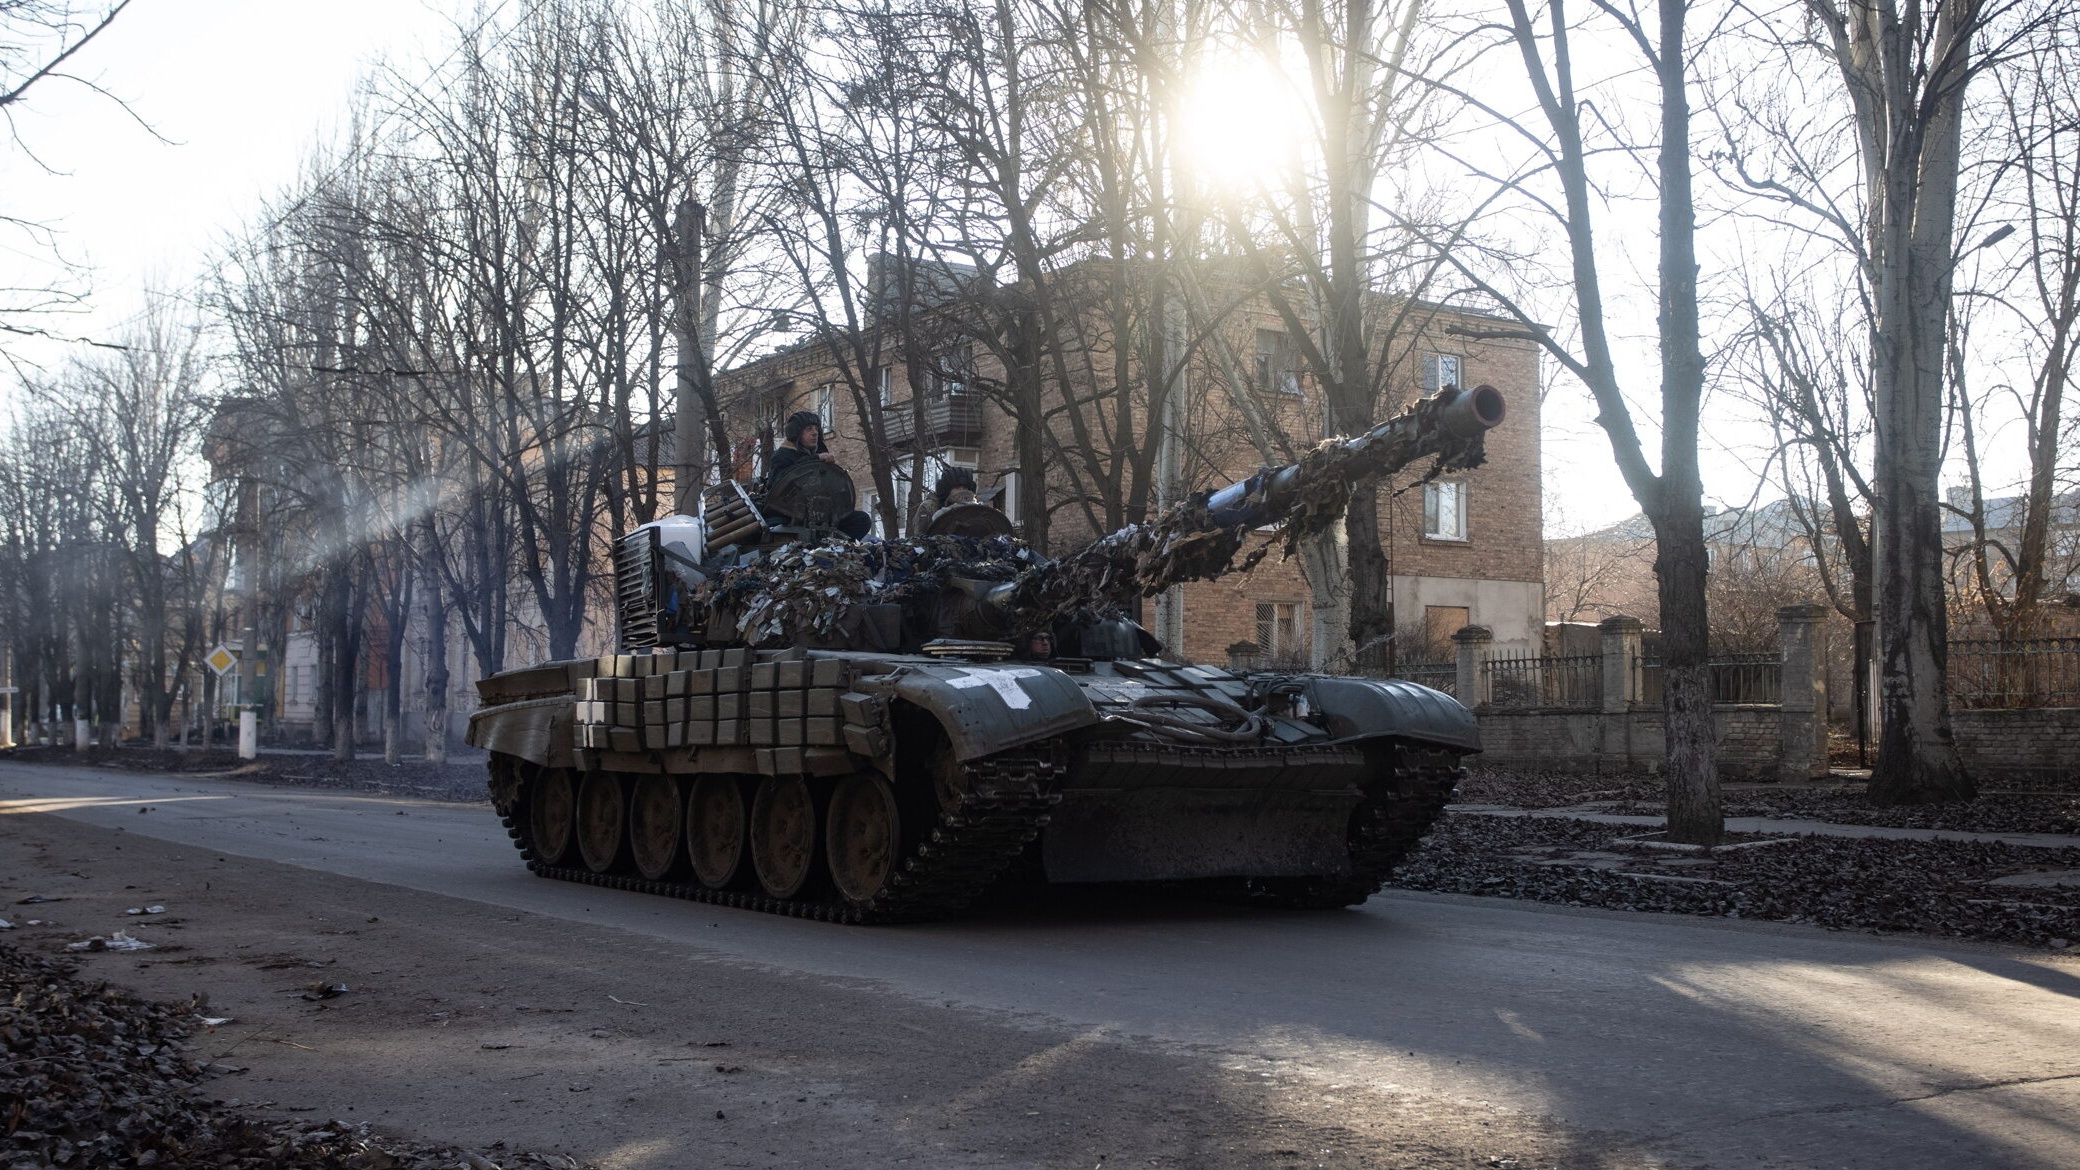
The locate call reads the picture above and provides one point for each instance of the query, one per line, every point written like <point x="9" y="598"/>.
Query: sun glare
<point x="1242" y="122"/>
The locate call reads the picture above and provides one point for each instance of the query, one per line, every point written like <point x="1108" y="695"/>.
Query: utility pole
<point x="689" y="470"/>
<point x="82" y="695"/>
<point x="7" y="694"/>
<point x="249" y="643"/>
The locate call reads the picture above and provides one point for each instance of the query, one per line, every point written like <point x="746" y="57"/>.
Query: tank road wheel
<point x="656" y="817"/>
<point x="949" y="778"/>
<point x="783" y="835"/>
<point x="863" y="836"/>
<point x="715" y="831"/>
<point x="602" y="820"/>
<point x="549" y="810"/>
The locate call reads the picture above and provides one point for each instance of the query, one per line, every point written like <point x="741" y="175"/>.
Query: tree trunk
<point x="393" y="692"/>
<point x="1909" y="124"/>
<point x="337" y="717"/>
<point x="1027" y="395"/>
<point x="1324" y="564"/>
<point x="1695" y="815"/>
<point x="1680" y="561"/>
<point x="436" y="656"/>
<point x="1917" y="759"/>
<point x="1371" y="583"/>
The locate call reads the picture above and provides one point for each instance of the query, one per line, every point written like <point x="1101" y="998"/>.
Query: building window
<point x="767" y="417"/>
<point x="906" y="496"/>
<point x="1007" y="494"/>
<point x="884" y="385"/>
<point x="827" y="407"/>
<point x="957" y="371"/>
<point x="1440" y="622"/>
<point x="1278" y="629"/>
<point x="1444" y="510"/>
<point x="1439" y="371"/>
<point x="1276" y="369"/>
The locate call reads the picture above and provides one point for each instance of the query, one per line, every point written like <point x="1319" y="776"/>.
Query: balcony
<point x="949" y="421"/>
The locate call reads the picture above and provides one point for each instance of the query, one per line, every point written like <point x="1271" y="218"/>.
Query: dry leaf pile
<point x="1995" y="810"/>
<point x="93" y="1079"/>
<point x="1928" y="887"/>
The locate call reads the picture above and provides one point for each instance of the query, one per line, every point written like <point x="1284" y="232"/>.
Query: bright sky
<point x="241" y="89"/>
<point x="244" y="89"/>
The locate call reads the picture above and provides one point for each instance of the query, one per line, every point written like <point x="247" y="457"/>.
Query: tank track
<point x="1385" y="829"/>
<point x="1004" y="806"/>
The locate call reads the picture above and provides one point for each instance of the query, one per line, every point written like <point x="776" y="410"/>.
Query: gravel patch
<point x="95" y="1078"/>
<point x="1987" y="891"/>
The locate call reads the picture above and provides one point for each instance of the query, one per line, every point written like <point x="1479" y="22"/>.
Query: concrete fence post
<point x="1802" y="715"/>
<point x="1621" y="678"/>
<point x="1470" y="641"/>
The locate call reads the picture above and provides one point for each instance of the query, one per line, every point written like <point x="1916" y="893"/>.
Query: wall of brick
<point x="1748" y="740"/>
<point x="2036" y="746"/>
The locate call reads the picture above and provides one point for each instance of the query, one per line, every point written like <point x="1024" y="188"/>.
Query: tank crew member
<point x="805" y="441"/>
<point x="1037" y="646"/>
<point x="956" y="486"/>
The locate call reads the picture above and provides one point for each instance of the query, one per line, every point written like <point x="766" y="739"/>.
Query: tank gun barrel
<point x="1199" y="538"/>
<point x="1463" y="415"/>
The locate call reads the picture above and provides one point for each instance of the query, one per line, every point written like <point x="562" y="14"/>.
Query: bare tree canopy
<point x="38" y="43"/>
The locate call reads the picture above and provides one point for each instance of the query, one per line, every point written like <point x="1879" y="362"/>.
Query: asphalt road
<point x="1700" y="1042"/>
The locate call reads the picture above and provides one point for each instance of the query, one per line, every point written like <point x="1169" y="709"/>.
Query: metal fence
<point x="1443" y="676"/>
<point x="1736" y="678"/>
<point x="1533" y="681"/>
<point x="1989" y="673"/>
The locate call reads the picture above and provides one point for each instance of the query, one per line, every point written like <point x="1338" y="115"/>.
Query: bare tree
<point x="1801" y="358"/>
<point x="1564" y="149"/>
<point x="2030" y="156"/>
<point x="140" y="414"/>
<point x="1905" y="71"/>
<point x="1589" y="575"/>
<point x="39" y="40"/>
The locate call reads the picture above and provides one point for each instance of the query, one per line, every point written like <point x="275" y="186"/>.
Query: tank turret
<point x="772" y="571"/>
<point x="876" y="730"/>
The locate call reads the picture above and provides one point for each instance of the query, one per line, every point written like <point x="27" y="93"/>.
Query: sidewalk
<point x="1774" y="825"/>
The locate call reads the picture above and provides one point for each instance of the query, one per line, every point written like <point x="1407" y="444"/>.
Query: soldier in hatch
<point x="1037" y="646"/>
<point x="956" y="486"/>
<point x="805" y="442"/>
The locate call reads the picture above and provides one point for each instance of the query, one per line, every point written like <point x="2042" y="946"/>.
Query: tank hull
<point x="864" y="787"/>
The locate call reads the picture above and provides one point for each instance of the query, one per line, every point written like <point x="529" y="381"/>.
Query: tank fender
<point x="1360" y="708"/>
<point x="987" y="708"/>
<point x="536" y="730"/>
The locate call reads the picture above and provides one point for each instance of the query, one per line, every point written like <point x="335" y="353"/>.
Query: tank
<point x="869" y="731"/>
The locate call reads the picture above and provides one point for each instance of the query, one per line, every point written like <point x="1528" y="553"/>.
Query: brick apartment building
<point x="1463" y="550"/>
